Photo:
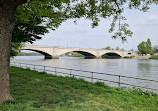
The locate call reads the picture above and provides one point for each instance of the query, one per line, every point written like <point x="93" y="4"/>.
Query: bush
<point x="154" y="57"/>
<point x="129" y="57"/>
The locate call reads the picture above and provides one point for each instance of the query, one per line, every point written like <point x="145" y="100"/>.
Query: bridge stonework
<point x="55" y="52"/>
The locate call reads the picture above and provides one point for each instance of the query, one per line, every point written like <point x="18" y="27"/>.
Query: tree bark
<point x="6" y="28"/>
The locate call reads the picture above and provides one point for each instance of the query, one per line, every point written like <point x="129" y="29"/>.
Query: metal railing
<point x="92" y="77"/>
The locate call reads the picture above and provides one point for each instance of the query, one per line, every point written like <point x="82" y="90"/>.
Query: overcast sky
<point x="143" y="25"/>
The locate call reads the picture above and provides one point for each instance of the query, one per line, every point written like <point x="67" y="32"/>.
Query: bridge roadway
<point x="55" y="52"/>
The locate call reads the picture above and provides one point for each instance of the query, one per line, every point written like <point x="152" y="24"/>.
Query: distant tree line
<point x="146" y="47"/>
<point x="117" y="48"/>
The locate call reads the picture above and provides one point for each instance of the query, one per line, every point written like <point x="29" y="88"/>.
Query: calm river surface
<point x="127" y="67"/>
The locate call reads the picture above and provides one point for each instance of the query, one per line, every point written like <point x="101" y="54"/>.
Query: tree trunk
<point x="6" y="28"/>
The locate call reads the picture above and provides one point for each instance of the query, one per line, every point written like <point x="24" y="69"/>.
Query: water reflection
<point x="144" y="68"/>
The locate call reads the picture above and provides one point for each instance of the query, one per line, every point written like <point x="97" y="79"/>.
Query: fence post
<point x="92" y="77"/>
<point x="20" y="64"/>
<point x="26" y="66"/>
<point x="44" y="68"/>
<point x="70" y="72"/>
<point x="55" y="71"/>
<point x="34" y="67"/>
<point x="119" y="81"/>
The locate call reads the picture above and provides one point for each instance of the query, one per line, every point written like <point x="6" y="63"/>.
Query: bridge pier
<point x="99" y="57"/>
<point x="93" y="57"/>
<point x="55" y="57"/>
<point x="89" y="57"/>
<point x="51" y="57"/>
<point x="48" y="57"/>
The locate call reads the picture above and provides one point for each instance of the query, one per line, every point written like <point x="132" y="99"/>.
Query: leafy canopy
<point x="15" y="48"/>
<point x="145" y="47"/>
<point x="36" y="15"/>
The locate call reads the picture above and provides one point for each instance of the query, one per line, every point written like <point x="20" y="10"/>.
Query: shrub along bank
<point x="38" y="91"/>
<point x="154" y="57"/>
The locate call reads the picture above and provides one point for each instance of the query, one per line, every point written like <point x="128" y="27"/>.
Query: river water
<point x="127" y="67"/>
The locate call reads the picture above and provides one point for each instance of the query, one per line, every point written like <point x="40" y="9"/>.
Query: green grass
<point x="77" y="55"/>
<point x="34" y="91"/>
<point x="154" y="57"/>
<point x="129" y="57"/>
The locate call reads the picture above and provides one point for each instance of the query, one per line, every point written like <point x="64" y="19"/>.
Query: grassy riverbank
<point x="77" y="55"/>
<point x="154" y="57"/>
<point x="34" y="91"/>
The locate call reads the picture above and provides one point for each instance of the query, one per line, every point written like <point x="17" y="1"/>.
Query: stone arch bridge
<point x="55" y="52"/>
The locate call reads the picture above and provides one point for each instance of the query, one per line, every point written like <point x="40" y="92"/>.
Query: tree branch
<point x="16" y="3"/>
<point x="19" y="2"/>
<point x="117" y="5"/>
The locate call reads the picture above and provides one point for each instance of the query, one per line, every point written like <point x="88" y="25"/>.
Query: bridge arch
<point x="87" y="55"/>
<point x="111" y="55"/>
<point x="47" y="56"/>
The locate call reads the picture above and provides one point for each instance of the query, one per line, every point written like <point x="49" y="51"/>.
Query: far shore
<point x="142" y="57"/>
<point x="154" y="56"/>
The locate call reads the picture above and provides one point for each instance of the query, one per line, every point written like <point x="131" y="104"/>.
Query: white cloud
<point x="153" y="17"/>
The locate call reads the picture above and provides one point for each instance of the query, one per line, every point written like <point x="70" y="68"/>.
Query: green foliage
<point x="28" y="31"/>
<point x="34" y="17"/>
<point x="15" y="48"/>
<point x="107" y="48"/>
<point x="104" y="56"/>
<point x="145" y="47"/>
<point x="34" y="91"/>
<point x="154" y="57"/>
<point x="129" y="57"/>
<point x="149" y="46"/>
<point x="154" y="48"/>
<point x="142" y="48"/>
<point x="77" y="55"/>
